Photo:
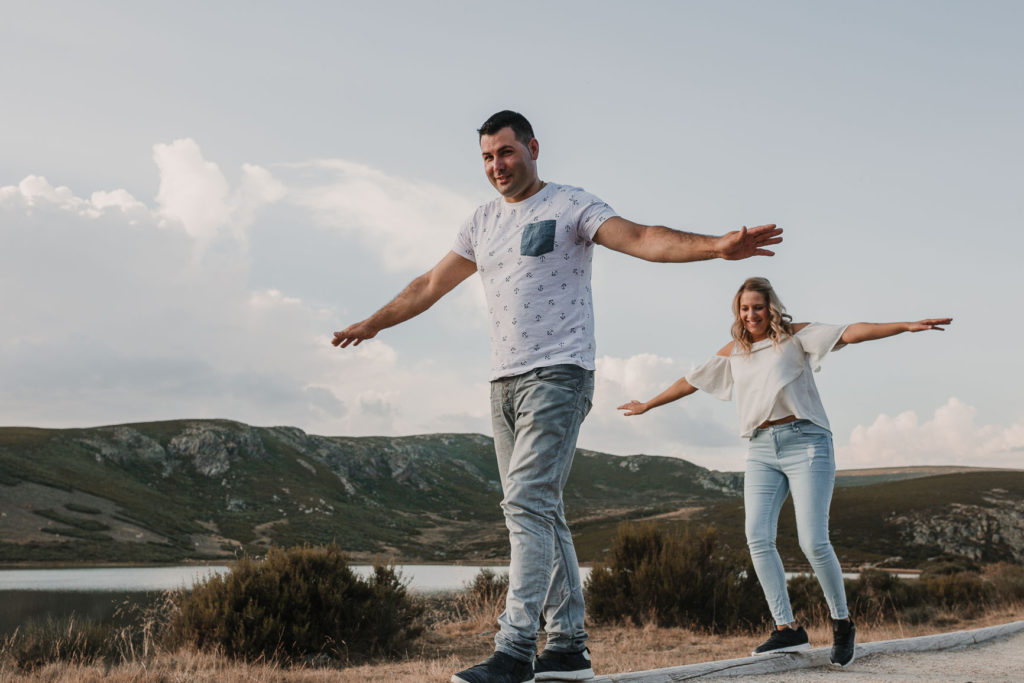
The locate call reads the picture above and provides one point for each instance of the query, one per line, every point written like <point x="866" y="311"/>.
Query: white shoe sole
<point x="458" y="679"/>
<point x="792" y="648"/>
<point x="581" y="675"/>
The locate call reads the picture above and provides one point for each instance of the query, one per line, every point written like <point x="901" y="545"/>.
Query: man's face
<point x="510" y="165"/>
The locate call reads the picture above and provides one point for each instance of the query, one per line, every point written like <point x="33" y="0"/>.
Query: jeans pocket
<point x="538" y="238"/>
<point x="566" y="376"/>
<point x="808" y="429"/>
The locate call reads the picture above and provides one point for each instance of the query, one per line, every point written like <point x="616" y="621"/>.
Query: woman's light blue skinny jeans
<point x="796" y="457"/>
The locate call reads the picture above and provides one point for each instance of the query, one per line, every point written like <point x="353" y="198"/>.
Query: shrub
<point x="488" y="588"/>
<point x="878" y="595"/>
<point x="675" y="580"/>
<point x="130" y="634"/>
<point x="965" y="593"/>
<point x="484" y="598"/>
<point x="68" y="639"/>
<point x="881" y="596"/>
<point x="481" y="601"/>
<point x="807" y="598"/>
<point x="949" y="564"/>
<point x="1007" y="580"/>
<point x="299" y="604"/>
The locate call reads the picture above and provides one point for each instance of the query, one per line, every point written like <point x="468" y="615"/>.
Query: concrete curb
<point x="767" y="664"/>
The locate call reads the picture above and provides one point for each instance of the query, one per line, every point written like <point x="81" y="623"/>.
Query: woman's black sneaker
<point x="563" y="666"/>
<point x="498" y="668"/>
<point x="844" y="641"/>
<point x="784" y="640"/>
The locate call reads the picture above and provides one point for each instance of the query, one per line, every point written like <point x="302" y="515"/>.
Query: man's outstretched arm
<point x="418" y="296"/>
<point x="665" y="245"/>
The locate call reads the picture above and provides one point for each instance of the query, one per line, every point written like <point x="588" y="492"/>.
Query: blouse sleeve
<point x="817" y="339"/>
<point x="713" y="376"/>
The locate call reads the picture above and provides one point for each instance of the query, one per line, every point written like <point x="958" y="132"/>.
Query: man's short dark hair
<point x="508" y="119"/>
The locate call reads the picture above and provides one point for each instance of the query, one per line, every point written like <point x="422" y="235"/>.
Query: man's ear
<point x="534" y="148"/>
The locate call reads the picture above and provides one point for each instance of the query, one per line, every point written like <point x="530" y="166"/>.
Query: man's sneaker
<point x="784" y="640"/>
<point x="498" y="668"/>
<point x="844" y="637"/>
<point x="563" y="666"/>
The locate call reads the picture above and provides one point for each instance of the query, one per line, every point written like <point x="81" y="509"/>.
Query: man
<point x="532" y="247"/>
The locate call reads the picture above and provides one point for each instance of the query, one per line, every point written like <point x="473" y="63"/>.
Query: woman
<point x="769" y="364"/>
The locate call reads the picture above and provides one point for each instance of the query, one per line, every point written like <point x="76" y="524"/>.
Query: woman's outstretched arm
<point x="859" y="332"/>
<point x="678" y="390"/>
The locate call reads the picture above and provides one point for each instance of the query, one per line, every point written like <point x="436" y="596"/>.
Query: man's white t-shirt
<point x="534" y="258"/>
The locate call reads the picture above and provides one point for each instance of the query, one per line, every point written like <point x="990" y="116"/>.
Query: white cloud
<point x="695" y="428"/>
<point x="109" y="318"/>
<point x="950" y="437"/>
<point x="410" y="223"/>
<point x="36" y="192"/>
<point x="195" y="194"/>
<point x="119" y="199"/>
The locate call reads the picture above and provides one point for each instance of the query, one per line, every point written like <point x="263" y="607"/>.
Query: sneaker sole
<point x="457" y="679"/>
<point x="840" y="666"/>
<point x="778" y="650"/>
<point x="581" y="675"/>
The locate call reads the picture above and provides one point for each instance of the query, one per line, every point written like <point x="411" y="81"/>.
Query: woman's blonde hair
<point x="780" y="323"/>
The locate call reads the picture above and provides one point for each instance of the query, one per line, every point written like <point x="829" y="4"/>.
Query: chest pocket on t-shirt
<point x="538" y="238"/>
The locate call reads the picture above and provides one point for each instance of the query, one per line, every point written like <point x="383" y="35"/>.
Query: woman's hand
<point x="861" y="332"/>
<point x="633" y="408"/>
<point x="929" y="324"/>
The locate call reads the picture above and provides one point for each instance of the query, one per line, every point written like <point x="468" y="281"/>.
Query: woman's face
<point x="754" y="314"/>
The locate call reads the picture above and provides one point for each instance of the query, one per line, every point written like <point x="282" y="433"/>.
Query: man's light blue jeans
<point x="536" y="418"/>
<point x="794" y="457"/>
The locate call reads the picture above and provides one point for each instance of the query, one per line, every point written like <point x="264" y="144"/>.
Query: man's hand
<point x="418" y="296"/>
<point x="353" y="334"/>
<point x="744" y="243"/>
<point x="665" y="245"/>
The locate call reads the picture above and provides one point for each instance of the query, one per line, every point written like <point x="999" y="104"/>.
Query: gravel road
<point x="996" y="660"/>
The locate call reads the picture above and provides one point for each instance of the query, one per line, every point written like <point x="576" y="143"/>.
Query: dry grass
<point x="454" y="644"/>
<point x="462" y="634"/>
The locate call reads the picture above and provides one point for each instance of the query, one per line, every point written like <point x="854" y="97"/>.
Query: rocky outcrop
<point x="212" y="448"/>
<point x="122" y="444"/>
<point x="728" y="483"/>
<point x="986" y="532"/>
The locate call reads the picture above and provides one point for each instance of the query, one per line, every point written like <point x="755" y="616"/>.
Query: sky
<point x="194" y="196"/>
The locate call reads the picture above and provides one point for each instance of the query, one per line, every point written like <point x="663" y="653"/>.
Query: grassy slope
<point x="432" y="497"/>
<point x="859" y="530"/>
<point x="428" y="497"/>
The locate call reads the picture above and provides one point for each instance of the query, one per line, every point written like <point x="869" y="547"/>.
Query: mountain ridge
<point x="206" y="490"/>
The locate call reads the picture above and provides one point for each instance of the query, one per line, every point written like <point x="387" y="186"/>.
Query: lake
<point x="97" y="592"/>
<point x="421" y="578"/>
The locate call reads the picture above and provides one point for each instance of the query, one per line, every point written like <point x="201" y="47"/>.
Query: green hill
<point x="902" y="523"/>
<point x="205" y="489"/>
<point x="208" y="489"/>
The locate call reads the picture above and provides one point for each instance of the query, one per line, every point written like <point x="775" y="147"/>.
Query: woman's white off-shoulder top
<point x="772" y="381"/>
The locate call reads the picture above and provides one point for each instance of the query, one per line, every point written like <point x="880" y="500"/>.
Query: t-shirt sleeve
<point x="713" y="376"/>
<point x="817" y="339"/>
<point x="464" y="241"/>
<point x="593" y="212"/>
